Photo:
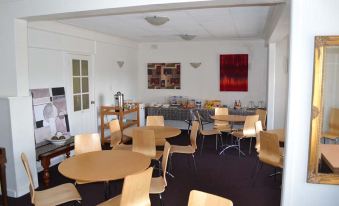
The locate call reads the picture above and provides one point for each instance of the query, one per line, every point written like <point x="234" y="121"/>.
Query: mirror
<point x="323" y="164"/>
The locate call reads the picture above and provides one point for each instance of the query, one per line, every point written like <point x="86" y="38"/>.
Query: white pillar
<point x="271" y="85"/>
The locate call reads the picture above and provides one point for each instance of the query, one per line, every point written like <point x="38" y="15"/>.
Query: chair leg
<point x="170" y="163"/>
<point x="239" y="146"/>
<point x="222" y="142"/>
<point x="159" y="165"/>
<point x="202" y="143"/>
<point x="161" y="202"/>
<point x="249" y="150"/>
<point x="216" y="142"/>
<point x="195" y="166"/>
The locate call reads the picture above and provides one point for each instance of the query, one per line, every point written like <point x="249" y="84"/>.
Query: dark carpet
<point x="226" y="175"/>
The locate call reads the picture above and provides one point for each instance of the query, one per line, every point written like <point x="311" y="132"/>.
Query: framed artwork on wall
<point x="163" y="75"/>
<point x="234" y="72"/>
<point x="50" y="113"/>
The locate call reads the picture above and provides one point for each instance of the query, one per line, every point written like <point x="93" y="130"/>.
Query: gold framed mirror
<point x="323" y="165"/>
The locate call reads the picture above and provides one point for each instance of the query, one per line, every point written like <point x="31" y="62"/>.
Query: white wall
<point x="51" y="42"/>
<point x="308" y="19"/>
<point x="15" y="112"/>
<point x="278" y="84"/>
<point x="203" y="82"/>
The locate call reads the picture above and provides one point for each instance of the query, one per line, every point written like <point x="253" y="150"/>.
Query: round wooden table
<point x="229" y="118"/>
<point x="103" y="166"/>
<point x="160" y="132"/>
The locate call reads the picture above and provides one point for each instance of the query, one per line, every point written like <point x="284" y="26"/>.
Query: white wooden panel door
<point x="80" y="92"/>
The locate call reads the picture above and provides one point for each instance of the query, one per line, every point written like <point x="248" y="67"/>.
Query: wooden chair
<point x="198" y="198"/>
<point x="270" y="151"/>
<point x="222" y="126"/>
<point x="333" y="131"/>
<point x="247" y="132"/>
<point x="135" y="191"/>
<point x="156" y="121"/>
<point x="116" y="136"/>
<point x="262" y="117"/>
<point x="84" y="143"/>
<point x="189" y="149"/>
<point x="258" y="129"/>
<point x="53" y="196"/>
<point x="204" y="133"/>
<point x="144" y="143"/>
<point x="158" y="184"/>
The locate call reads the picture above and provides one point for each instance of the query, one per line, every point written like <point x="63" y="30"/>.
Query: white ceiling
<point x="207" y="24"/>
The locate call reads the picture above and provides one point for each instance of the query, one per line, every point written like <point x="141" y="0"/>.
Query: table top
<point x="160" y="132"/>
<point x="48" y="147"/>
<point x="103" y="165"/>
<point x="279" y="132"/>
<point x="229" y="118"/>
<point x="329" y="153"/>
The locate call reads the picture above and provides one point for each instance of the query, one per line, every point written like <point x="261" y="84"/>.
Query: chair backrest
<point x="116" y="136"/>
<point x="198" y="198"/>
<point x="262" y="116"/>
<point x="334" y="120"/>
<point x="249" y="125"/>
<point x="258" y="129"/>
<point x="164" y="160"/>
<point x="84" y="143"/>
<point x="220" y="111"/>
<point x="155" y="121"/>
<point x="269" y="149"/>
<point x="135" y="190"/>
<point x="144" y="142"/>
<point x="194" y="133"/>
<point x="30" y="177"/>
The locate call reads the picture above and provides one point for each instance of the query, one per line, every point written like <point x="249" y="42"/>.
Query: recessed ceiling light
<point x="157" y="20"/>
<point x="187" y="37"/>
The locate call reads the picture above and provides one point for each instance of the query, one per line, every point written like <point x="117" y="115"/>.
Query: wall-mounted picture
<point x="50" y="113"/>
<point x="234" y="72"/>
<point x="163" y="75"/>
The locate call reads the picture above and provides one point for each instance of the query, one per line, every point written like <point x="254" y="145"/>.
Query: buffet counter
<point x="183" y="114"/>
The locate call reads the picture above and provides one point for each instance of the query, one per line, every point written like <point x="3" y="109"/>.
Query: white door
<point x="80" y="92"/>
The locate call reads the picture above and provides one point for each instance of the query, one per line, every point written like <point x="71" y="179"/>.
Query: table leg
<point x="68" y="153"/>
<point x="3" y="184"/>
<point x="107" y="190"/>
<point x="45" y="164"/>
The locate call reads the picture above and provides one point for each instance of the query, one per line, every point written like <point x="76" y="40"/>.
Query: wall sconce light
<point x="120" y="63"/>
<point x="195" y="64"/>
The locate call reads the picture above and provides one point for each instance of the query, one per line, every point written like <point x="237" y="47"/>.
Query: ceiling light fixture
<point x="187" y="37"/>
<point x="157" y="20"/>
<point x="120" y="63"/>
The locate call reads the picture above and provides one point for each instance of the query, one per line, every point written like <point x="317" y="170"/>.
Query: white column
<point x="271" y="85"/>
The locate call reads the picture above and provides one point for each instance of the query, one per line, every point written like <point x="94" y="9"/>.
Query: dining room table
<point x="104" y="166"/>
<point x="160" y="132"/>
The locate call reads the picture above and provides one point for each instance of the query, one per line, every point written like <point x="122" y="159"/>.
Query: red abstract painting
<point x="234" y="72"/>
